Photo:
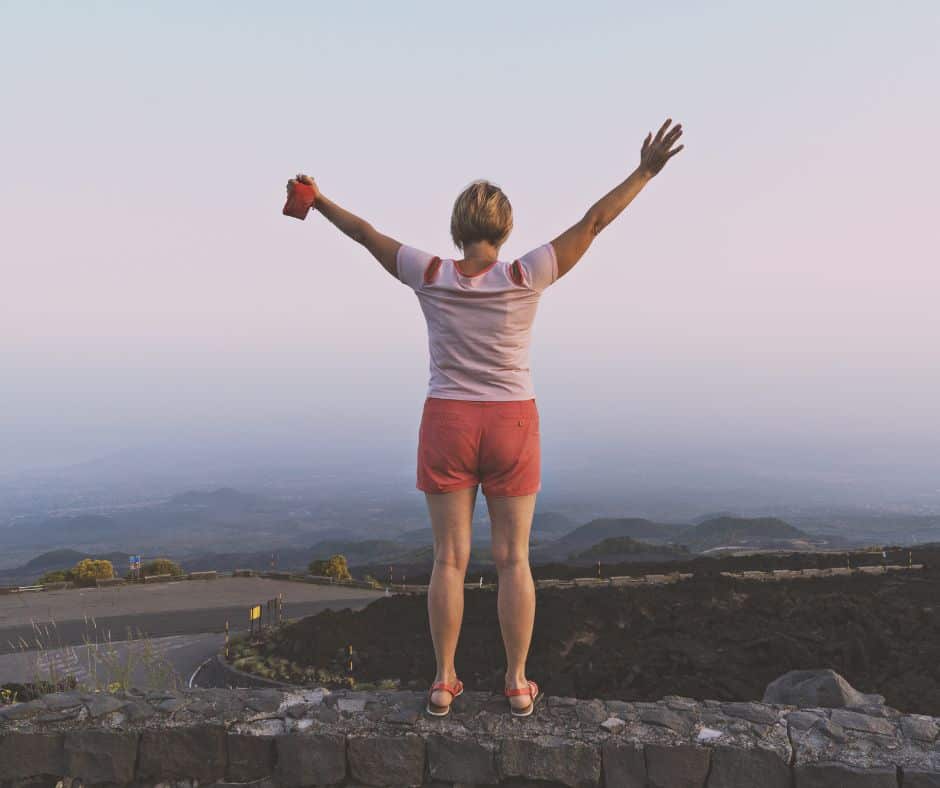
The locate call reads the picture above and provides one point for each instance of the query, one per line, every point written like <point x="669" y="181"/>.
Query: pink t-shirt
<point x="479" y="326"/>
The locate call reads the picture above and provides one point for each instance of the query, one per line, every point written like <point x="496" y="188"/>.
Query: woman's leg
<point x="451" y="518"/>
<point x="511" y="520"/>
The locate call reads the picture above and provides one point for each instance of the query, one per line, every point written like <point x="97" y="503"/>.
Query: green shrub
<point x="87" y="571"/>
<point x="56" y="576"/>
<point x="334" y="567"/>
<point x="160" y="566"/>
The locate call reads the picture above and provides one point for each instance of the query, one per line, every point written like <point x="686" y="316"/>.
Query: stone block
<point x="311" y="759"/>
<point x="59" y="701"/>
<point x="28" y="754"/>
<point x="461" y="761"/>
<point x="591" y="711"/>
<point x="920" y="728"/>
<point x="666" y="718"/>
<point x="914" y="778"/>
<point x="249" y="757"/>
<point x="679" y="766"/>
<point x="550" y="758"/>
<point x="22" y="711"/>
<point x="757" y="713"/>
<point x="386" y="760"/>
<point x="735" y="767"/>
<point x="624" y="764"/>
<point x="837" y="775"/>
<point x="197" y="753"/>
<point x="862" y="722"/>
<point x="102" y="705"/>
<point x="96" y="756"/>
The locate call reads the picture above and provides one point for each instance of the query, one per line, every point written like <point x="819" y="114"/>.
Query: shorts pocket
<point x="523" y="422"/>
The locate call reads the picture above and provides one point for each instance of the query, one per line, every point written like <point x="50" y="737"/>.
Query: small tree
<point x="87" y="571"/>
<point x="334" y="567"/>
<point x="161" y="566"/>
<point x="56" y="576"/>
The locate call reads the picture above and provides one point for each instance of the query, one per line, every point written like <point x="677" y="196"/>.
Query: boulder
<point x="808" y="688"/>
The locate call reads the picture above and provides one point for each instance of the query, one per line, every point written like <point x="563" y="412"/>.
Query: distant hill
<point x="545" y="526"/>
<point x="416" y="536"/>
<point x="626" y="548"/>
<point x="66" y="559"/>
<point x="742" y="531"/>
<point x="602" y="528"/>
<point x="550" y="524"/>
<point x="53" y="560"/>
<point x="712" y="516"/>
<point x="419" y="560"/>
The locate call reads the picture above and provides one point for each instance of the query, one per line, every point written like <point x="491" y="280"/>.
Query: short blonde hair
<point x="481" y="213"/>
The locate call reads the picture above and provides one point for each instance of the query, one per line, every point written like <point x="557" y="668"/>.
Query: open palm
<point x="656" y="150"/>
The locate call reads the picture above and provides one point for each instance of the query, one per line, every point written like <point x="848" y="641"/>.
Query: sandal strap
<point x="453" y="689"/>
<point x="532" y="689"/>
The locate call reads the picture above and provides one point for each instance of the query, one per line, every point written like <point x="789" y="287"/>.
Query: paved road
<point x="157" y="664"/>
<point x="85" y="632"/>
<point x="53" y="619"/>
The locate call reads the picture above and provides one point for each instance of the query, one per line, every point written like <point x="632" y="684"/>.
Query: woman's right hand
<point x="655" y="152"/>
<point x="302" y="179"/>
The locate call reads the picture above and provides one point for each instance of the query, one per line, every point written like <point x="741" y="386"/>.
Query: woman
<point x="480" y="425"/>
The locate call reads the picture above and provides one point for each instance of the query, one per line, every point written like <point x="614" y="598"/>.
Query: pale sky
<point x="776" y="285"/>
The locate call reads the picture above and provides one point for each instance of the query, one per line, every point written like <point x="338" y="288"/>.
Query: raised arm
<point x="383" y="248"/>
<point x="571" y="245"/>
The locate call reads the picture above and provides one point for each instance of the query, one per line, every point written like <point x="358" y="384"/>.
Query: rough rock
<point x="816" y="688"/>
<point x="737" y="766"/>
<point x="386" y="760"/>
<point x="624" y="764"/>
<point x="21" y="753"/>
<point x="550" y="758"/>
<point x="198" y="753"/>
<point x="834" y="775"/>
<point x="318" y="759"/>
<point x="681" y="766"/>
<point x="96" y="756"/>
<point x="462" y="761"/>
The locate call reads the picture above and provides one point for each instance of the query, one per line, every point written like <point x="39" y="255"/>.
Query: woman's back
<point x="479" y="325"/>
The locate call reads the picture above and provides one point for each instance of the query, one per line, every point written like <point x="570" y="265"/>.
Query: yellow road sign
<point x="254" y="613"/>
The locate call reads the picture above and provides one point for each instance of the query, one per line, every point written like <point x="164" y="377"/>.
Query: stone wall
<point x="318" y="737"/>
<point x="577" y="582"/>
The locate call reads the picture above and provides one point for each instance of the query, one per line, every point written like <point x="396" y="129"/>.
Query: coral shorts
<point x="462" y="443"/>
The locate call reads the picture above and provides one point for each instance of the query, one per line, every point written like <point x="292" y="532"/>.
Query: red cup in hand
<point x="301" y="197"/>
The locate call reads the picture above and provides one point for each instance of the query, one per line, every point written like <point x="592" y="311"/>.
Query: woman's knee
<point x="450" y="558"/>
<point x="508" y="559"/>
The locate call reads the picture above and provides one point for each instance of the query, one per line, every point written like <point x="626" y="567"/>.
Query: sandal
<point x="532" y="689"/>
<point x="455" y="690"/>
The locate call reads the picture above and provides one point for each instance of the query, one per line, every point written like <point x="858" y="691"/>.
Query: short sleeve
<point x="540" y="267"/>
<point x="411" y="264"/>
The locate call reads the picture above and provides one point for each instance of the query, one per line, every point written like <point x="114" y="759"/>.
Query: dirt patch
<point x="708" y="637"/>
